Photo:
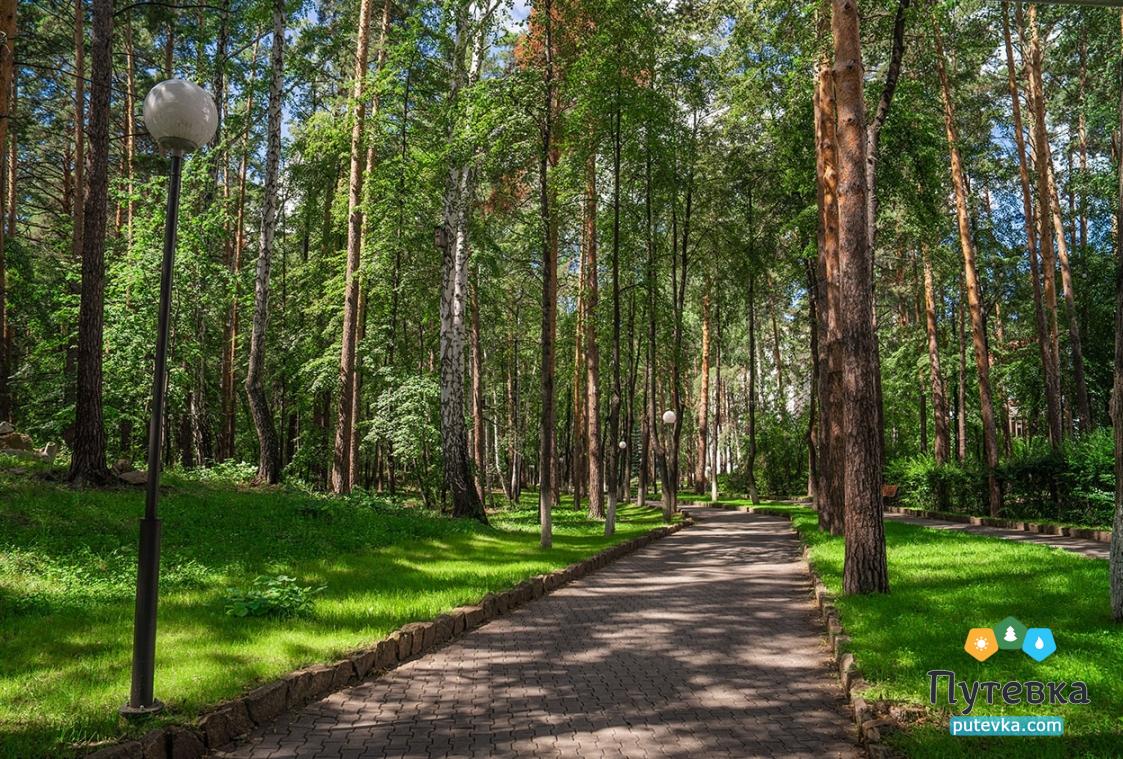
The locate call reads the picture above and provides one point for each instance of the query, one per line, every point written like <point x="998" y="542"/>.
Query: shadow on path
<point x="702" y="644"/>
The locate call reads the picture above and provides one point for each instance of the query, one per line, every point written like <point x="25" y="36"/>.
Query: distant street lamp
<point x="669" y="417"/>
<point x="181" y="117"/>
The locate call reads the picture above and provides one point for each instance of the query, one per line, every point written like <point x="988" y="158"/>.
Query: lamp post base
<point x="136" y="712"/>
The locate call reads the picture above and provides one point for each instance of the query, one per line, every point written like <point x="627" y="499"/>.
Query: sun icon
<point x="981" y="643"/>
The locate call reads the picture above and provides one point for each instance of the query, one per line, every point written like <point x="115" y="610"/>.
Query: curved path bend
<point x="702" y="644"/>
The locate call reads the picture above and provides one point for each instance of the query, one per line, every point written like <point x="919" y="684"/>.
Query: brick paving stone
<point x="701" y="644"/>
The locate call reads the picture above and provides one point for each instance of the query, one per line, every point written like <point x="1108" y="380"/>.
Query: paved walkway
<point x="1092" y="548"/>
<point x="703" y="644"/>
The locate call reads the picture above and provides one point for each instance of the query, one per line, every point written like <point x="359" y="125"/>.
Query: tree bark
<point x="454" y="435"/>
<point x="614" y="451"/>
<point x="1082" y="139"/>
<point x="939" y="395"/>
<point x="592" y="351"/>
<point x="671" y="476"/>
<point x="548" y="156"/>
<point x="961" y="387"/>
<point x="832" y="438"/>
<point x="1083" y="407"/>
<point x="864" y="569"/>
<point x="479" y="453"/>
<point x="750" y="455"/>
<point x="79" y="127"/>
<point x="814" y="288"/>
<point x="578" y="464"/>
<point x="714" y="458"/>
<point x="1051" y="374"/>
<point x="269" y="454"/>
<point x="971" y="282"/>
<point x="87" y="465"/>
<point x="1116" y="555"/>
<point x="341" y="450"/>
<point x="368" y="167"/>
<point x="226" y="436"/>
<point x="7" y="101"/>
<point x="1047" y="188"/>
<point x="130" y="128"/>
<point x="873" y="152"/>
<point x="702" y="421"/>
<point x="1044" y="227"/>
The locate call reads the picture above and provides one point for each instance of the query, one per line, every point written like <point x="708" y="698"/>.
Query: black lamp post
<point x="180" y="116"/>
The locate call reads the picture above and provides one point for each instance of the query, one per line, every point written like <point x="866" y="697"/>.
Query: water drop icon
<point x="1038" y="643"/>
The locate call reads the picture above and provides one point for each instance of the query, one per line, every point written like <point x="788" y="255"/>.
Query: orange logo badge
<point x="981" y="643"/>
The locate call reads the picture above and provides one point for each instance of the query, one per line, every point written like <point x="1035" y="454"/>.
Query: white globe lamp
<point x="180" y="116"/>
<point x="669" y="417"/>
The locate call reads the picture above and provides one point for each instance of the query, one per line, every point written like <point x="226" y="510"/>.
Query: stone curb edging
<point x="866" y="718"/>
<point x="230" y="720"/>
<point x="1039" y="528"/>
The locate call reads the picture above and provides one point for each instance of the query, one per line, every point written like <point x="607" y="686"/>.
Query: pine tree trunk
<point x="671" y="475"/>
<point x="80" y="128"/>
<point x="1052" y="383"/>
<point x="592" y="350"/>
<point x="7" y="101"/>
<point x="1083" y="408"/>
<point x="269" y="453"/>
<point x="546" y="420"/>
<point x="1044" y="231"/>
<point x="971" y="282"/>
<point x="717" y="412"/>
<point x="873" y="152"/>
<point x="750" y="455"/>
<point x="961" y="386"/>
<point x="1082" y="141"/>
<point x="702" y="421"/>
<point x="353" y="453"/>
<point x="832" y="438"/>
<point x="814" y="287"/>
<point x="341" y="451"/>
<point x="226" y="437"/>
<point x="864" y="569"/>
<point x="614" y="451"/>
<point x="130" y="127"/>
<point x="87" y="465"/>
<point x="578" y="466"/>
<point x="1116" y="562"/>
<point x="939" y="396"/>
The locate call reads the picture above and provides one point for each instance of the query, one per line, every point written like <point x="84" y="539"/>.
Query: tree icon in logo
<point x="1010" y="633"/>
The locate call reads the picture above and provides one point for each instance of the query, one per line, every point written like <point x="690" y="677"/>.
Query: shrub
<point x="923" y="484"/>
<point x="1074" y="485"/>
<point x="279" y="596"/>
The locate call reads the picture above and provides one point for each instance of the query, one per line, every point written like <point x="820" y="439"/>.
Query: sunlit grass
<point x="944" y="583"/>
<point x="67" y="574"/>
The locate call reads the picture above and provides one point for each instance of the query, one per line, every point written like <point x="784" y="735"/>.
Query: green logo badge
<point x="1010" y="633"/>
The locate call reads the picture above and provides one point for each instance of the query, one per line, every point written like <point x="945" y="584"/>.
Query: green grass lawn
<point x="68" y="568"/>
<point x="944" y="583"/>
